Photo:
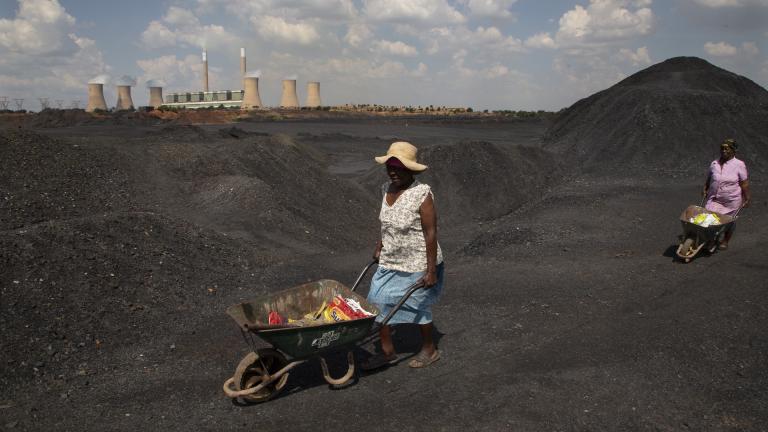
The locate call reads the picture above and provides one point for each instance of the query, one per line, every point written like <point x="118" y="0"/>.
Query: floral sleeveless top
<point x="404" y="248"/>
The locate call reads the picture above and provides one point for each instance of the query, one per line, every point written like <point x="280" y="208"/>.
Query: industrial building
<point x="246" y="99"/>
<point x="210" y="99"/>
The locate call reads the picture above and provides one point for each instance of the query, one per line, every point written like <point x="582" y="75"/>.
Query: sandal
<point x="423" y="360"/>
<point x="378" y="361"/>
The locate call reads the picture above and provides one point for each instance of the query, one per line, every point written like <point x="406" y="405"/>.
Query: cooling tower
<point x="251" y="97"/>
<point x="155" y="97"/>
<point x="313" y="94"/>
<point x="242" y="65"/>
<point x="205" y="71"/>
<point x="289" y="98"/>
<point x="124" y="101"/>
<point x="96" y="98"/>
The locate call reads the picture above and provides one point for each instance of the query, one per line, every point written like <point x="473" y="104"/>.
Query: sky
<point x="484" y="54"/>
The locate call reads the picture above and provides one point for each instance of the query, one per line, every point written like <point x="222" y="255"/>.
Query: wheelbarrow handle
<point x="736" y="215"/>
<point x="411" y="289"/>
<point x="362" y="274"/>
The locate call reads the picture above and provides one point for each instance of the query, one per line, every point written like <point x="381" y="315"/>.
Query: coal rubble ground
<point x="564" y="309"/>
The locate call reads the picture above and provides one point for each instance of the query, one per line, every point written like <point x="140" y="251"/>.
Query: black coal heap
<point x="670" y="116"/>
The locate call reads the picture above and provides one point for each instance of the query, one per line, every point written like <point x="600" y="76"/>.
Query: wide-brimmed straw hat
<point x="405" y="152"/>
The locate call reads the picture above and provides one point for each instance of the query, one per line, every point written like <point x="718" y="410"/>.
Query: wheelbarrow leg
<point x="685" y="250"/>
<point x="343" y="380"/>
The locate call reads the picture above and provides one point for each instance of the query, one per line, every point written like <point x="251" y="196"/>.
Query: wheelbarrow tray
<point x="307" y="341"/>
<point x="703" y="234"/>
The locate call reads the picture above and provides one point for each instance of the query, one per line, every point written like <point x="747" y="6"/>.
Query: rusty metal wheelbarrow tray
<point x="695" y="237"/>
<point x="262" y="373"/>
<point x="303" y="342"/>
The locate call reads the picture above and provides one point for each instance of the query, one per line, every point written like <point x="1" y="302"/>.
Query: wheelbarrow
<point x="696" y="237"/>
<point x="262" y="374"/>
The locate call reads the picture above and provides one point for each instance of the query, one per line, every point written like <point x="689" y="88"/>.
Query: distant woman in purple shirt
<point x="727" y="186"/>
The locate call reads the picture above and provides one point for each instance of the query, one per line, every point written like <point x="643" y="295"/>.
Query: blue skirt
<point x="389" y="286"/>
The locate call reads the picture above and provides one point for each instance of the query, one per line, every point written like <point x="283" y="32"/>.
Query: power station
<point x="96" y="99"/>
<point x="247" y="99"/>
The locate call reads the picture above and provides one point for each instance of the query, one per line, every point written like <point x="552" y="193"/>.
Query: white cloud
<point x="157" y="35"/>
<point x="491" y="8"/>
<point x="42" y="56"/>
<point x="587" y="75"/>
<point x="432" y="11"/>
<point x="605" y="21"/>
<point x="482" y="41"/>
<point x="715" y="4"/>
<point x="638" y="57"/>
<point x="180" y="17"/>
<point x="177" y="73"/>
<point x="40" y="27"/>
<point x="496" y="70"/>
<point x="750" y="48"/>
<point x="421" y="70"/>
<point x="394" y="48"/>
<point x="293" y="9"/>
<point x="181" y="26"/>
<point x="275" y="27"/>
<point x="364" y="68"/>
<point x="541" y="40"/>
<point x="748" y="51"/>
<point x="357" y="34"/>
<point x="720" y="49"/>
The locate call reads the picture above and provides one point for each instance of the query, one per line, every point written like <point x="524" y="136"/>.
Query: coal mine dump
<point x="125" y="237"/>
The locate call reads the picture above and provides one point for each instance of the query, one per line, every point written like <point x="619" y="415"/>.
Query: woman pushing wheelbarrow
<point x="407" y="252"/>
<point x="726" y="190"/>
<point x="407" y="283"/>
<point x="725" y="193"/>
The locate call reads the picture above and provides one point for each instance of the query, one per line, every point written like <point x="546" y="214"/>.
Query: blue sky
<point x="503" y="54"/>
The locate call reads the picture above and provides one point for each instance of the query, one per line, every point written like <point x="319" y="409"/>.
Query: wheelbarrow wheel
<point x="255" y="368"/>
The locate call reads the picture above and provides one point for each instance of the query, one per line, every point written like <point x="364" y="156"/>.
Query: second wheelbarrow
<point x="263" y="373"/>
<point x="696" y="237"/>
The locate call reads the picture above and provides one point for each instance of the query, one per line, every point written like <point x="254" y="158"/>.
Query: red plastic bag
<point x="275" y="318"/>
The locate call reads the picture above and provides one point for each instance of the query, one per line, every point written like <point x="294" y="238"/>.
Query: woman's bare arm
<point x="429" y="226"/>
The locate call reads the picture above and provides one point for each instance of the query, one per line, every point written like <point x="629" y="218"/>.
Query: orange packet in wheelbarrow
<point x="339" y="310"/>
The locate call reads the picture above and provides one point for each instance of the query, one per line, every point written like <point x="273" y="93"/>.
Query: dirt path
<point x="567" y="314"/>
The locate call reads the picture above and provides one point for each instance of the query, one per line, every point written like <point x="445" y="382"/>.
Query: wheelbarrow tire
<point x="254" y="367"/>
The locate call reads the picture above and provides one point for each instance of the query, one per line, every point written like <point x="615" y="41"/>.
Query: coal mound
<point x="77" y="290"/>
<point x="181" y="131"/>
<point x="273" y="189"/>
<point x="52" y="179"/>
<point x="670" y="116"/>
<point x="480" y="181"/>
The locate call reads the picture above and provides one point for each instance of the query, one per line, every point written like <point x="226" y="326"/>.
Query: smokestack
<point x="289" y="98"/>
<point x="205" y="71"/>
<point x="96" y="97"/>
<point x="155" y="97"/>
<point x="242" y="66"/>
<point x="251" y="97"/>
<point x="313" y="94"/>
<point x="124" y="101"/>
